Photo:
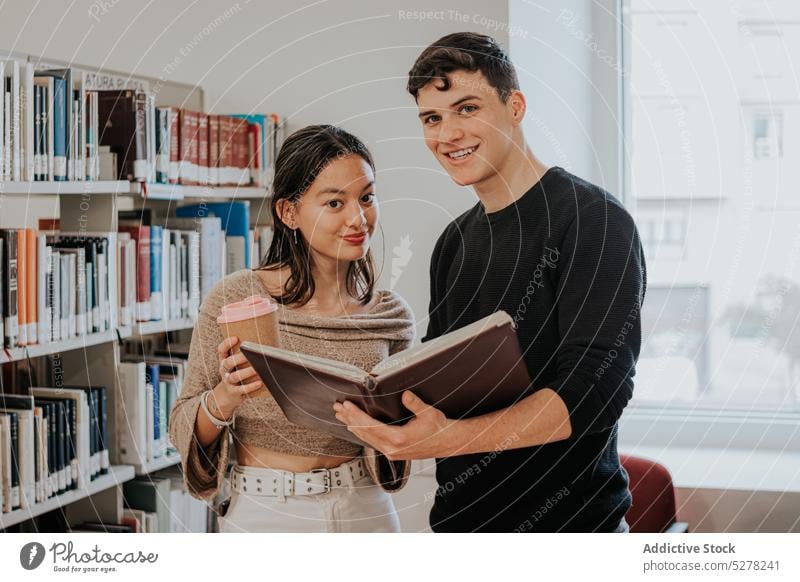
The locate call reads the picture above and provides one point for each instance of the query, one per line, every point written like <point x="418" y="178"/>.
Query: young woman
<point x="320" y="271"/>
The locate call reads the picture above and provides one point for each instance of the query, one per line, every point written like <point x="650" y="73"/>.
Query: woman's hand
<point x="239" y="379"/>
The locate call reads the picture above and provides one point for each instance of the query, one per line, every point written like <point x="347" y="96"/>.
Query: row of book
<point x="56" y="285"/>
<point x="149" y="390"/>
<point x="158" y="503"/>
<point x="49" y="125"/>
<point x="181" y="146"/>
<point x="226" y="240"/>
<point x="58" y="124"/>
<point x="52" y="440"/>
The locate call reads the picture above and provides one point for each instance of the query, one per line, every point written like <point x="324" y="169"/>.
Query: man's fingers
<point x="414" y="403"/>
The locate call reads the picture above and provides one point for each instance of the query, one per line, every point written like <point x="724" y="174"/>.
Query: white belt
<point x="277" y="483"/>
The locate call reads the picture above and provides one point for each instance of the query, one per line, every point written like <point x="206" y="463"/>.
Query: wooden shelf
<point x="76" y="343"/>
<point x="116" y="475"/>
<point x="177" y="192"/>
<point x="64" y="188"/>
<point x="150" y="327"/>
<point x="157" y="464"/>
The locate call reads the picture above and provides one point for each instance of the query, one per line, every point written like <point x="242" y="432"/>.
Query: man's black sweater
<point x="565" y="261"/>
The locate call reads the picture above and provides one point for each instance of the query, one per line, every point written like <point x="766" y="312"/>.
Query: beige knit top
<point x="361" y="339"/>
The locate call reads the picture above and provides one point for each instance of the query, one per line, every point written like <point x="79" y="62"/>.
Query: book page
<point x="421" y="352"/>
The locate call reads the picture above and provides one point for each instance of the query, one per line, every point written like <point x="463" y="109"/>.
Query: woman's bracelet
<point x="214" y="420"/>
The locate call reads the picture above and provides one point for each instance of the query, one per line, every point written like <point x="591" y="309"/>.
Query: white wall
<point x="340" y="62"/>
<point x="567" y="62"/>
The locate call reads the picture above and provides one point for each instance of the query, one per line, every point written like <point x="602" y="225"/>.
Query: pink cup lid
<point x="250" y="308"/>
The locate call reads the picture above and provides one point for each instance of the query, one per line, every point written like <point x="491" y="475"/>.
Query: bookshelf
<point x="38" y="350"/>
<point x="152" y="327"/>
<point x="156" y="465"/>
<point x="64" y="188"/>
<point x="107" y="508"/>
<point x="177" y="192"/>
<point x="94" y="359"/>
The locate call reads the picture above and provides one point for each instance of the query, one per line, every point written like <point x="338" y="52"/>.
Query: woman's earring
<point x="295" y="235"/>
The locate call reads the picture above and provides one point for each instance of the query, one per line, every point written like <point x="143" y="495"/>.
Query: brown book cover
<point x="122" y="128"/>
<point x="471" y="371"/>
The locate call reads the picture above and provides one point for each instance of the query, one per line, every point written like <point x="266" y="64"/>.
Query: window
<point x="712" y="107"/>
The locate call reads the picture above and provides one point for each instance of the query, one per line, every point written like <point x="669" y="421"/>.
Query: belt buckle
<point x="326" y="479"/>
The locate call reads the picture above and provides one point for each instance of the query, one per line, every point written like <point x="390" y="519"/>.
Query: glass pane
<point x="713" y="149"/>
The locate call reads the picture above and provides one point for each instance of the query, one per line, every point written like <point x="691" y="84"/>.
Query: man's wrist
<point x="448" y="438"/>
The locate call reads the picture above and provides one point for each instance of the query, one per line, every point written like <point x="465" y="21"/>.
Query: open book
<point x="468" y="372"/>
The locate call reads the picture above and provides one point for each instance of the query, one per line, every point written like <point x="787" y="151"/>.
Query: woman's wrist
<point x="219" y="406"/>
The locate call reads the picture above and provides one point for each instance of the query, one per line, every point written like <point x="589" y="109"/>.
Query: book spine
<point x="213" y="150"/>
<point x="174" y="145"/>
<point x="60" y="102"/>
<point x="16" y="498"/>
<point x="32" y="284"/>
<point x="22" y="287"/>
<point x="10" y="288"/>
<point x="162" y="145"/>
<point x="105" y="464"/>
<point x="202" y="148"/>
<point x="156" y="267"/>
<point x="140" y="162"/>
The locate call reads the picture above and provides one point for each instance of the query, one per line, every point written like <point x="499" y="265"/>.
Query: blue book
<point x="151" y="376"/>
<point x="62" y="119"/>
<point x="59" y="130"/>
<point x="156" y="264"/>
<point x="235" y="217"/>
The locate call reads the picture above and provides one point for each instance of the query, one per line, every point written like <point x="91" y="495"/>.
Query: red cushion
<point x="653" y="508"/>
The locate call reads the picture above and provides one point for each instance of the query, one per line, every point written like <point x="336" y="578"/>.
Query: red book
<point x="254" y="154"/>
<point x="213" y="149"/>
<point x="202" y="148"/>
<point x="240" y="160"/>
<point x="141" y="234"/>
<point x="174" y="145"/>
<point x="188" y="147"/>
<point x="225" y="149"/>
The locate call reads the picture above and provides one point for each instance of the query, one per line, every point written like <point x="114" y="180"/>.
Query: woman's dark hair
<point x="303" y="156"/>
<point x="467" y="51"/>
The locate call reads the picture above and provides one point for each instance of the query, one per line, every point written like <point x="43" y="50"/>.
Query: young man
<point x="564" y="259"/>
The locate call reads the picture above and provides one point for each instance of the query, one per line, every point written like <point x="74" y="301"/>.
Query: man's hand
<point x="423" y="437"/>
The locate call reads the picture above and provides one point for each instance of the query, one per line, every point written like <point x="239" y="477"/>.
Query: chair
<point x="653" y="509"/>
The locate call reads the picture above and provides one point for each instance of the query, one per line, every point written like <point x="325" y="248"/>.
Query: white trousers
<point x="364" y="507"/>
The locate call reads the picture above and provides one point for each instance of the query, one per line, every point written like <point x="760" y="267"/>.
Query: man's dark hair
<point x="468" y="51"/>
